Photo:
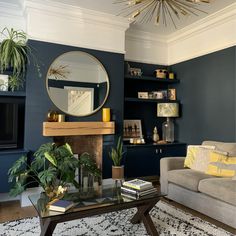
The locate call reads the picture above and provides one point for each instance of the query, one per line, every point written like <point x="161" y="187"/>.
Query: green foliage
<point x="89" y="164"/>
<point x="14" y="54"/>
<point x="13" y="51"/>
<point x="15" y="82"/>
<point x="52" y="165"/>
<point x="116" y="154"/>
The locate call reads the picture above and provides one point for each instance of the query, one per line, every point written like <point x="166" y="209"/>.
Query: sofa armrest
<point x="166" y="164"/>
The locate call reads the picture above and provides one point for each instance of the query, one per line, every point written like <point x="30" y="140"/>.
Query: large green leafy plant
<point x="53" y="168"/>
<point x="14" y="55"/>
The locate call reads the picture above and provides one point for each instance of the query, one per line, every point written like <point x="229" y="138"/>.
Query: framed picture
<point x="135" y="71"/>
<point x="3" y="82"/>
<point x="132" y="129"/>
<point x="143" y="95"/>
<point x="172" y="94"/>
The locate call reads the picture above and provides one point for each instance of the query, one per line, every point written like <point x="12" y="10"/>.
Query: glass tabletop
<point x="89" y="198"/>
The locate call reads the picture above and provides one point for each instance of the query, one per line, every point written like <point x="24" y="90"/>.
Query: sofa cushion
<point x="221" y="165"/>
<point x="221" y="146"/>
<point x="223" y="189"/>
<point x="197" y="157"/>
<point x="187" y="178"/>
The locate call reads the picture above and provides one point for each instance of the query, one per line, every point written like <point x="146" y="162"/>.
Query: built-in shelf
<point x="152" y="144"/>
<point x="150" y="78"/>
<point x="130" y="99"/>
<point x="77" y="128"/>
<point x="13" y="94"/>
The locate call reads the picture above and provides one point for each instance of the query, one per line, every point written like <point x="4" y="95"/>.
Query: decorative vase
<point x="55" y="192"/>
<point x="117" y="172"/>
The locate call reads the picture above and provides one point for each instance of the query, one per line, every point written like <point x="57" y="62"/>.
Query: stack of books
<point x="137" y="188"/>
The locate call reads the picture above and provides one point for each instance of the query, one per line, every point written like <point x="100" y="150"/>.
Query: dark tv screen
<point x="8" y="125"/>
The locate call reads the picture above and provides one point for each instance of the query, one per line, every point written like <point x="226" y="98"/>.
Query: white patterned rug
<point x="168" y="220"/>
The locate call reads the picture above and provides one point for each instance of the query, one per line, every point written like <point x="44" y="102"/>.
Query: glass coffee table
<point x="92" y="202"/>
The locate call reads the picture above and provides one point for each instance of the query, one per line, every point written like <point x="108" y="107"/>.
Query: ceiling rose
<point x="145" y="11"/>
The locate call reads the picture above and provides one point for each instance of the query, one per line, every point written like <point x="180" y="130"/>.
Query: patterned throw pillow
<point x="221" y="165"/>
<point x="197" y="155"/>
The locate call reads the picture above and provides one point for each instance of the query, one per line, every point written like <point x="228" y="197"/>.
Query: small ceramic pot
<point x="117" y="172"/>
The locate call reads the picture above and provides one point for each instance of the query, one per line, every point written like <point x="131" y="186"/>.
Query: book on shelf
<point x="138" y="193"/>
<point x="138" y="184"/>
<point x="61" y="205"/>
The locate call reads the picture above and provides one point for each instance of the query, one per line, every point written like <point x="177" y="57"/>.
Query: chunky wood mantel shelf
<point x="77" y="128"/>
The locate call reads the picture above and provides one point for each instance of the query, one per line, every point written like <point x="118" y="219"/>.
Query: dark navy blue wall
<point x="38" y="102"/>
<point x="207" y="91"/>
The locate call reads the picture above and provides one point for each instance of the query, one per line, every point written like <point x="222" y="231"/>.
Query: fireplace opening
<point x="12" y="111"/>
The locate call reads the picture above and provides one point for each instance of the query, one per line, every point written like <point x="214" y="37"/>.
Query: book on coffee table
<point x="138" y="184"/>
<point x="61" y="205"/>
<point x="137" y="193"/>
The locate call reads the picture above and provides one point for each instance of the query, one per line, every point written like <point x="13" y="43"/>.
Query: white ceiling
<point x="107" y="6"/>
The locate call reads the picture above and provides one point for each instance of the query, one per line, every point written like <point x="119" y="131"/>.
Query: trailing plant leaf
<point x="15" y="54"/>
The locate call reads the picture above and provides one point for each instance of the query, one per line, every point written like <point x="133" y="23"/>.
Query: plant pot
<point x="117" y="172"/>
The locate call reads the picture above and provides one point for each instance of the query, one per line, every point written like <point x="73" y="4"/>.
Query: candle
<point x="61" y="118"/>
<point x="106" y="114"/>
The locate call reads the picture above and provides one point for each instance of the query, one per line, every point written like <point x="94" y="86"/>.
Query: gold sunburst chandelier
<point x="144" y="11"/>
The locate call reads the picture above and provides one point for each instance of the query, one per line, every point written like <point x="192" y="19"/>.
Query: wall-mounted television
<point x="11" y="122"/>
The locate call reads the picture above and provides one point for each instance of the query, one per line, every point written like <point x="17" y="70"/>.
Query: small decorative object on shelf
<point x="172" y="94"/>
<point x="161" y="73"/>
<point x="135" y="71"/>
<point x="155" y="136"/>
<point x="3" y="82"/>
<point x="143" y="95"/>
<point x="171" y="75"/>
<point x="132" y="129"/>
<point x="168" y="110"/>
<point x="137" y="141"/>
<point x="61" y="118"/>
<point x="106" y="114"/>
<point x="52" y="116"/>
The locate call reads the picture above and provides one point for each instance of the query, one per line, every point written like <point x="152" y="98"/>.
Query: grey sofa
<point x="212" y="196"/>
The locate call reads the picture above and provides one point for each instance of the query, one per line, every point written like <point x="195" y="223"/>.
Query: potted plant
<point x="53" y="168"/>
<point x="116" y="155"/>
<point x="14" y="55"/>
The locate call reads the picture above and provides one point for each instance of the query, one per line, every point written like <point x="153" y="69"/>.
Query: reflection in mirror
<point x="77" y="83"/>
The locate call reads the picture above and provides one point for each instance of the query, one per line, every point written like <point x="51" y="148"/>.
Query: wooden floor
<point x="12" y="211"/>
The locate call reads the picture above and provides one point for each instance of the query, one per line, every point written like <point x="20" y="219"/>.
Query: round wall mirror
<point x="77" y="83"/>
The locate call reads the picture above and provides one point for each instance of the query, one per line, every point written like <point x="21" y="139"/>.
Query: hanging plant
<point x="14" y="55"/>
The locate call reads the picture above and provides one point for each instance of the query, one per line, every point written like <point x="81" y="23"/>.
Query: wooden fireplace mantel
<point x="77" y="128"/>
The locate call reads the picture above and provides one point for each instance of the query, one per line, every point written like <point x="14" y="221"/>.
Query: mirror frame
<point x="107" y="79"/>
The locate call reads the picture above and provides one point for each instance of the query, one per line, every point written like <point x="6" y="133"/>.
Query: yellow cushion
<point x="194" y="153"/>
<point x="221" y="165"/>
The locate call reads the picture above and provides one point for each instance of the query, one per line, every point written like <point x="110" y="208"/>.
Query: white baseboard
<point x="5" y="197"/>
